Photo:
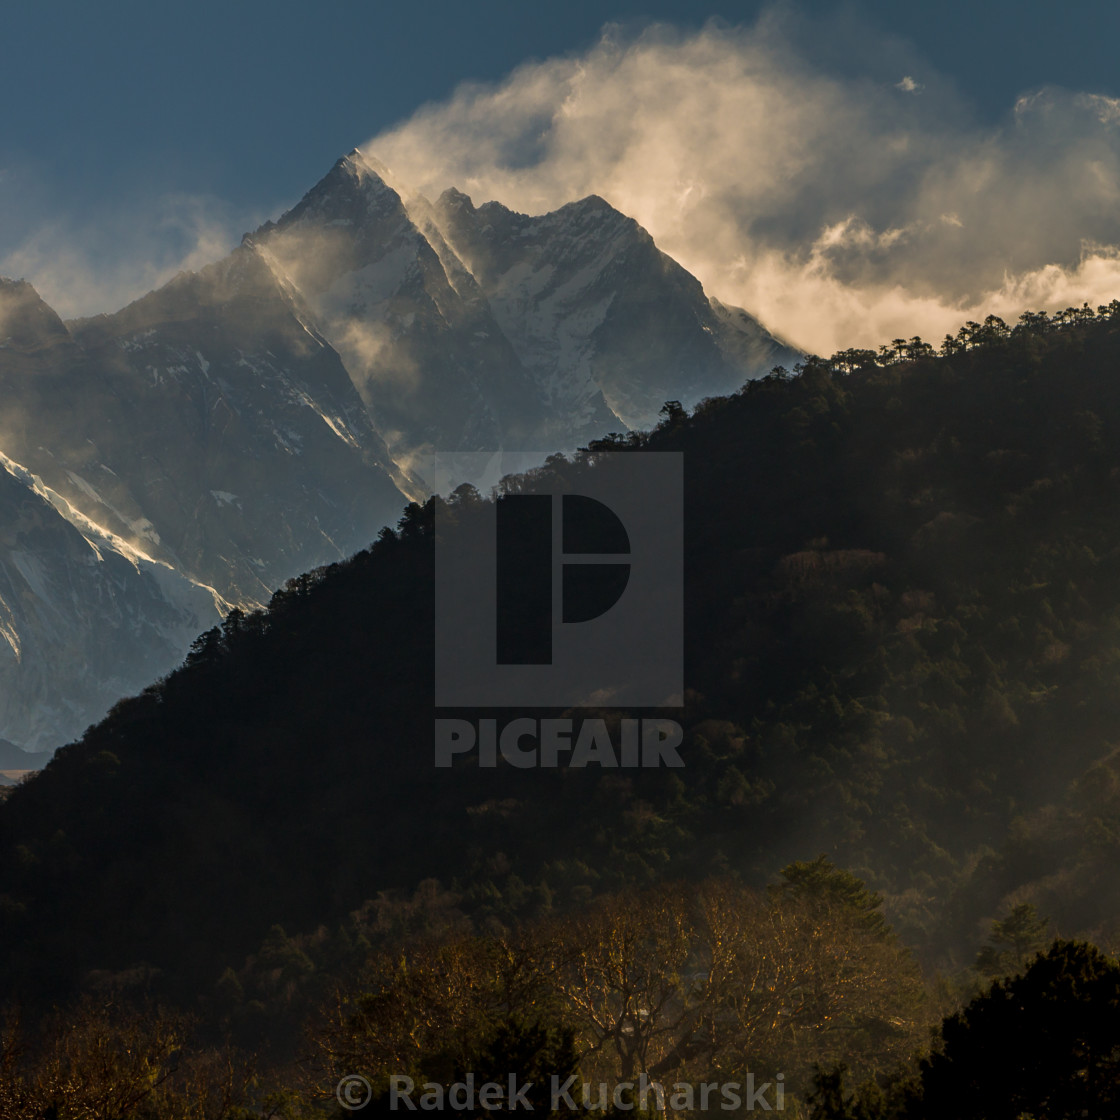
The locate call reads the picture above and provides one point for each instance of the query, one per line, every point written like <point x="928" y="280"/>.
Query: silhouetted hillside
<point x="902" y="644"/>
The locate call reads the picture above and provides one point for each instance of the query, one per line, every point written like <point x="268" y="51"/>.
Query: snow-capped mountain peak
<point x="479" y="328"/>
<point x="273" y="411"/>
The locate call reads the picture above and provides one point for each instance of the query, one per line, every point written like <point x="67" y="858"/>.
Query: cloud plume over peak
<point x="841" y="208"/>
<point x="90" y="263"/>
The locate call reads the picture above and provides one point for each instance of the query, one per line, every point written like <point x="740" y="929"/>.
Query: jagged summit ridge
<point x="478" y="328"/>
<point x="591" y="305"/>
<point x="418" y="337"/>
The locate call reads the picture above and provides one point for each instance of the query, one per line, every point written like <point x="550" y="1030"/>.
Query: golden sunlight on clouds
<point x="841" y="212"/>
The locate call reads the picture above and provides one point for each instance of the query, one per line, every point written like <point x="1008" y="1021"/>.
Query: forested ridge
<point x="902" y="650"/>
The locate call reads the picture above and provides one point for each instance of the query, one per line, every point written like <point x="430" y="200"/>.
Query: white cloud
<point x="839" y="212"/>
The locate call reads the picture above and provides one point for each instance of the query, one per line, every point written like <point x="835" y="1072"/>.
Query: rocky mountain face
<point x="236" y="431"/>
<point x="476" y="329"/>
<point x="84" y="618"/>
<point x="596" y="312"/>
<point x="206" y="425"/>
<point x="211" y="436"/>
<point x="273" y="411"/>
<point x="413" y="326"/>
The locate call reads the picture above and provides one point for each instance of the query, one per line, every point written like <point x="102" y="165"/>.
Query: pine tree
<point x="1012" y="942"/>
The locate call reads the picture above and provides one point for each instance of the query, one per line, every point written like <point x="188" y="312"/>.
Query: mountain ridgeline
<point x="272" y="412"/>
<point x="902" y="648"/>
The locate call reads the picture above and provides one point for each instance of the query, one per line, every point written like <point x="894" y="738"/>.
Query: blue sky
<point x="139" y="136"/>
<point x="251" y="100"/>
